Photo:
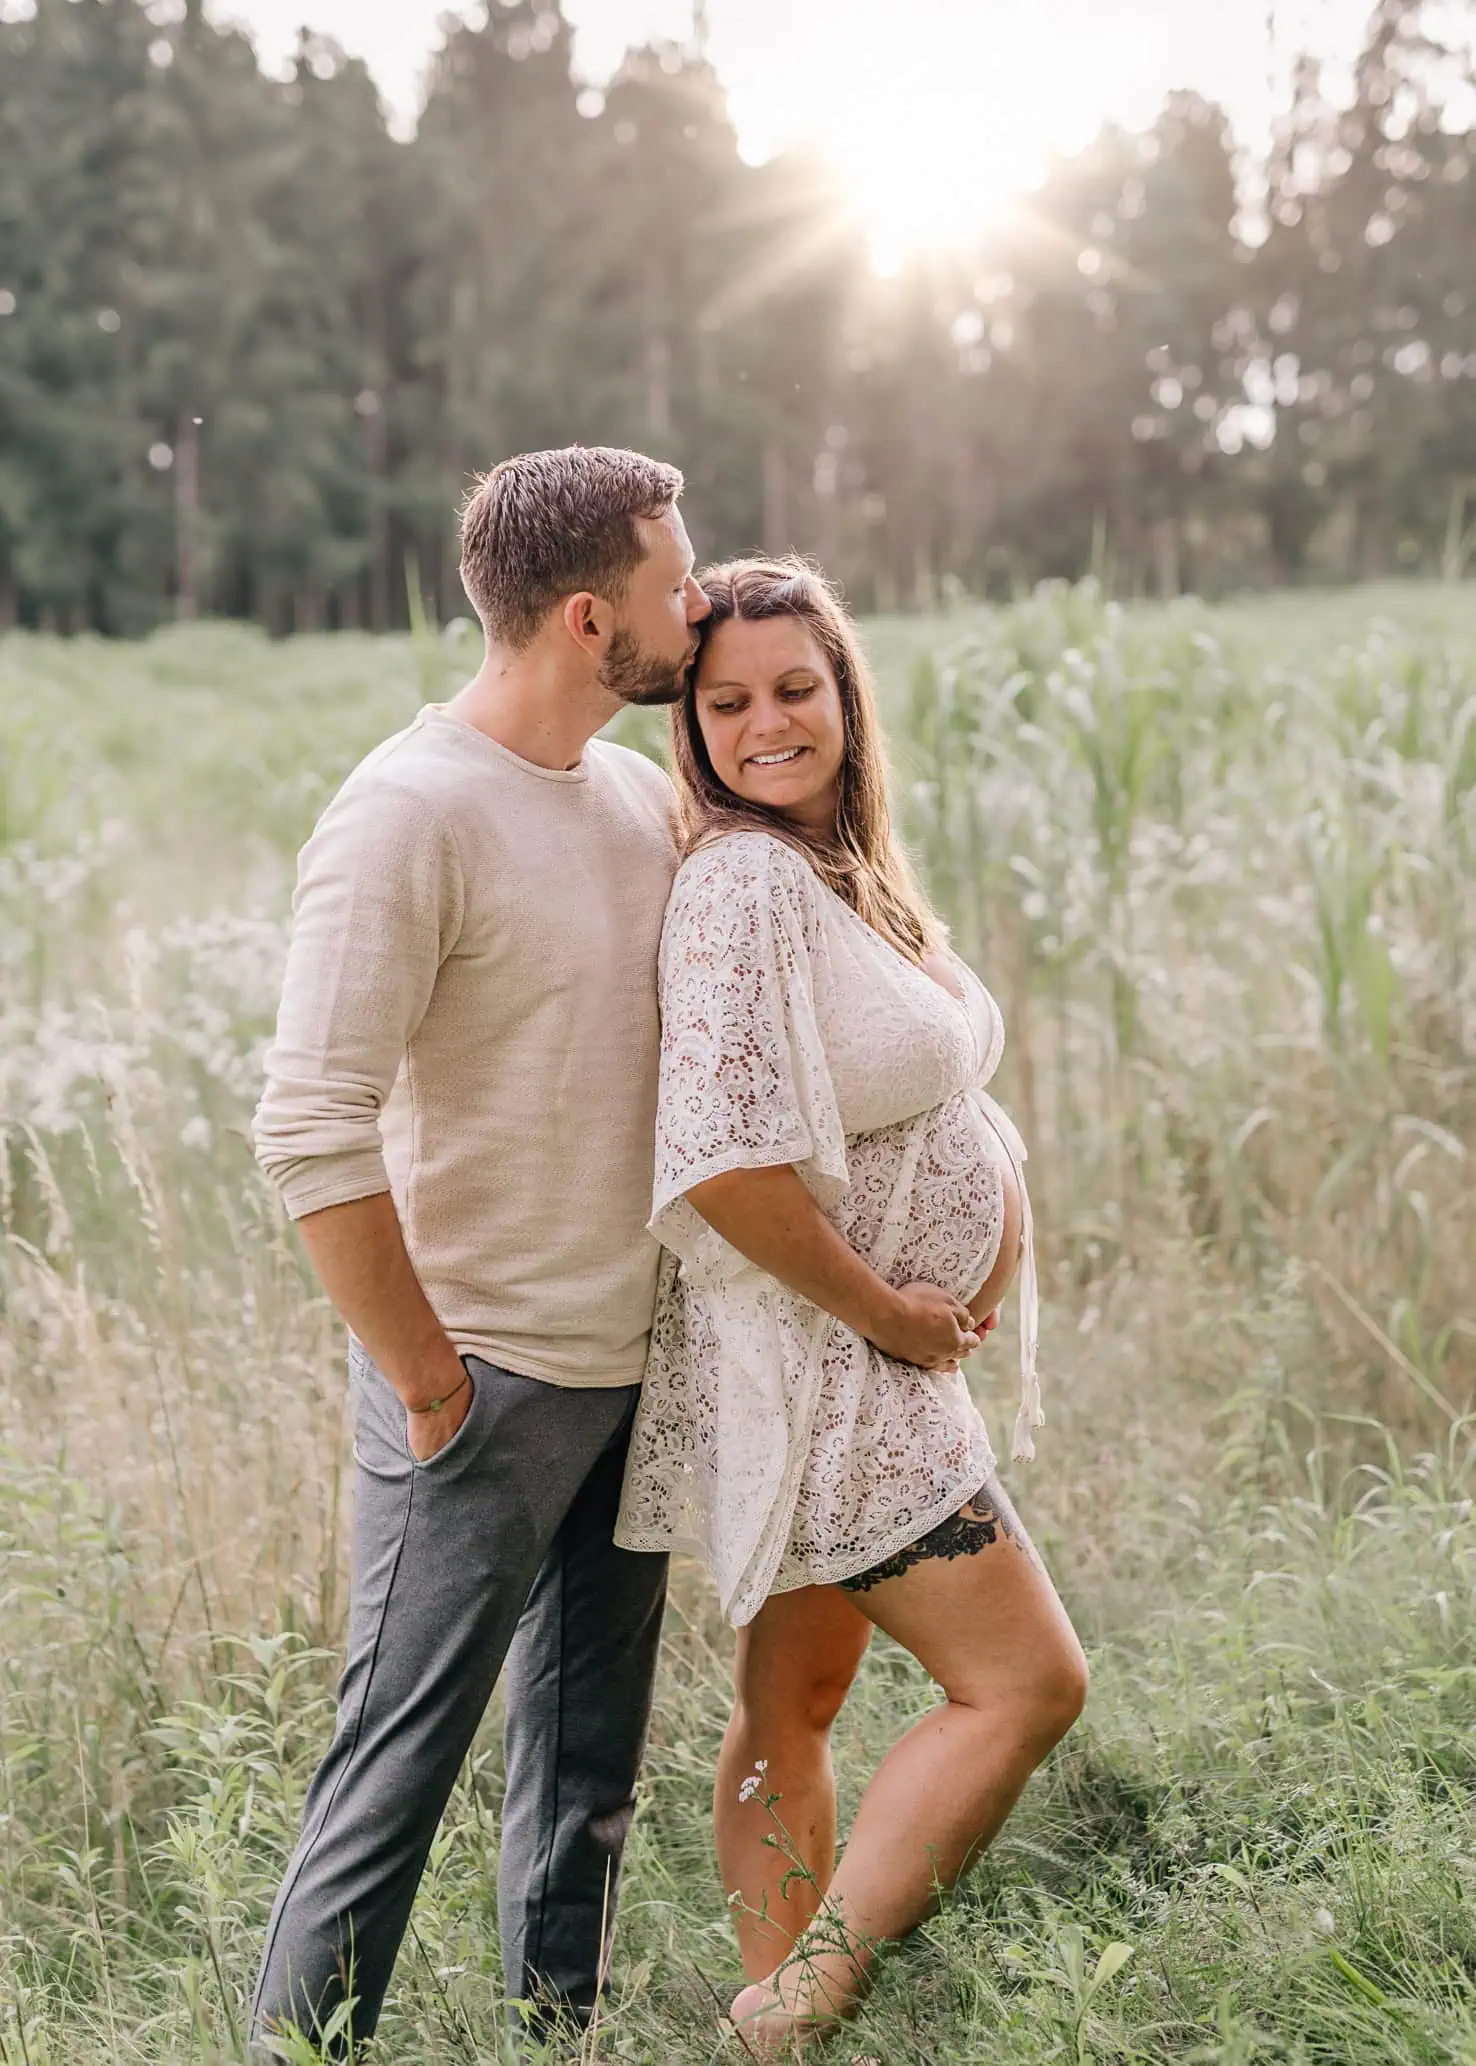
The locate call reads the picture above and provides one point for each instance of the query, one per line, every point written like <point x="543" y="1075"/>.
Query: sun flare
<point x="938" y="113"/>
<point x="932" y="155"/>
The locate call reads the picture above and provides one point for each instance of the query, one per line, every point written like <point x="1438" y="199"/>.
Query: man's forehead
<point x="666" y="535"/>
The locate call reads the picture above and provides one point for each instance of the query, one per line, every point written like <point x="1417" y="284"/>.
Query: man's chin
<point x="654" y="699"/>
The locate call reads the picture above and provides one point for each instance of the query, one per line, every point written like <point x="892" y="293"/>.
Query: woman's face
<point x="770" y="715"/>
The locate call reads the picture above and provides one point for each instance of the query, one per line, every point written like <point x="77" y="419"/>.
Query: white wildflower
<point x="754" y="1782"/>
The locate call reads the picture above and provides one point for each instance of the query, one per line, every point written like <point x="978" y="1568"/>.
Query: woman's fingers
<point x="964" y="1321"/>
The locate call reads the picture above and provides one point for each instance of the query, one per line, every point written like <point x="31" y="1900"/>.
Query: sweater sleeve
<point x="378" y="907"/>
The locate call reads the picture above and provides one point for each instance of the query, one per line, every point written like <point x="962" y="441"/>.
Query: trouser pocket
<point x="382" y="1426"/>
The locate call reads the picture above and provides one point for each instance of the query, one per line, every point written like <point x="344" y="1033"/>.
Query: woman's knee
<point x="1051" y="1697"/>
<point x="1063" y="1689"/>
<point x="797" y="1662"/>
<point x="1042" y="1703"/>
<point x="799" y="1704"/>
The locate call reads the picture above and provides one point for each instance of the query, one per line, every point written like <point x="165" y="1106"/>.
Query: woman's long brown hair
<point x="863" y="862"/>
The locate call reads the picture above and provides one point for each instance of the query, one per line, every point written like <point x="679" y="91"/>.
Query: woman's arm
<point x="770" y="1217"/>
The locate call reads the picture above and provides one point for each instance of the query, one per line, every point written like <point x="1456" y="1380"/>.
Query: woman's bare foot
<point x="810" y="1997"/>
<point x="769" y="2030"/>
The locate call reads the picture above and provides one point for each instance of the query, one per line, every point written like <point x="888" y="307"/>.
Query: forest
<point x="255" y="343"/>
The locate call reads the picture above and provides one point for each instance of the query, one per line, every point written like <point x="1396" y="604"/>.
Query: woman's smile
<point x="770" y="713"/>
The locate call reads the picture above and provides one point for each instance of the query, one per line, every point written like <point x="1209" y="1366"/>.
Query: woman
<point x="844" y="1210"/>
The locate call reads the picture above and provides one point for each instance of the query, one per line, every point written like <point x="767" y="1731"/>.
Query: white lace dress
<point x="771" y="1441"/>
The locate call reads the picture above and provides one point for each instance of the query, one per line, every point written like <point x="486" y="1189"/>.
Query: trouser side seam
<point x="531" y="1961"/>
<point x="309" y="1845"/>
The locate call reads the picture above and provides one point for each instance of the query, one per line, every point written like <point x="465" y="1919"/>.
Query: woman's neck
<point x="817" y="815"/>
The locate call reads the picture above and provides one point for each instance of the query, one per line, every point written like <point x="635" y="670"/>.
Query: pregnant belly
<point x="1006" y="1264"/>
<point x="964" y="1212"/>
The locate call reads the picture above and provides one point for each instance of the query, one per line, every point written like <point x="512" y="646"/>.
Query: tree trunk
<point x="776" y="499"/>
<point x="657" y="359"/>
<point x="187" y="520"/>
<point x="658" y="390"/>
<point x="1166" y="568"/>
<point x="828" y="507"/>
<point x="1373" y="541"/>
<point x="376" y="439"/>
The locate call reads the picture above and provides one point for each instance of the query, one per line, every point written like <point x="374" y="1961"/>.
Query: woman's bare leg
<point x="795" y="1663"/>
<point x="987" y="1626"/>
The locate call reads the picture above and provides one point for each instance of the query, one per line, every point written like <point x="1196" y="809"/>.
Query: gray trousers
<point x="501" y="1547"/>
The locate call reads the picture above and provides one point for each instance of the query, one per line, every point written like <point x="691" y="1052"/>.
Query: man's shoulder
<point x="421" y="757"/>
<point x="423" y="770"/>
<point x="638" y="785"/>
<point x="632" y="770"/>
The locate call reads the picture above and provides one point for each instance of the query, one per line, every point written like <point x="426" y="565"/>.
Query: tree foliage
<point x="253" y="347"/>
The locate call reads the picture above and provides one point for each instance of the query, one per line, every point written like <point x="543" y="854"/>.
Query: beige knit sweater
<point x="469" y="1021"/>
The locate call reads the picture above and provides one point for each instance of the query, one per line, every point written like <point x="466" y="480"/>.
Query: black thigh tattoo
<point x="976" y="1526"/>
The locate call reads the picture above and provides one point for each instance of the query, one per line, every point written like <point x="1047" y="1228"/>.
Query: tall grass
<point x="1218" y="867"/>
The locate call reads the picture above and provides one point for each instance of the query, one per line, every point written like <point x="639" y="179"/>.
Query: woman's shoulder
<point x="753" y="860"/>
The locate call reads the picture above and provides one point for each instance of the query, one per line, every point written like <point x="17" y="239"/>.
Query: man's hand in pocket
<point x="428" y="1430"/>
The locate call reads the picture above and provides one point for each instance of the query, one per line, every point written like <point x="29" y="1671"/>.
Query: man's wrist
<point x="440" y="1405"/>
<point x="431" y="1381"/>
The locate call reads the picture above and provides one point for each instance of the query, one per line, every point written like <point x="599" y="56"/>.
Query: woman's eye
<point x="800" y="690"/>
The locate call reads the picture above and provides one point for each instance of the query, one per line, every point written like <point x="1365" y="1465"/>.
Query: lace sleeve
<point x="744" y="1080"/>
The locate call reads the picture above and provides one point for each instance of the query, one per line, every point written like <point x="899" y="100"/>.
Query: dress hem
<point x="654" y="1543"/>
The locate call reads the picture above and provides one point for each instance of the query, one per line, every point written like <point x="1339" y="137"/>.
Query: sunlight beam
<point x="937" y="115"/>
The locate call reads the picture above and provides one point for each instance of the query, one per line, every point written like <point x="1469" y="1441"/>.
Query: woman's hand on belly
<point x="770" y="1217"/>
<point x="929" y="1329"/>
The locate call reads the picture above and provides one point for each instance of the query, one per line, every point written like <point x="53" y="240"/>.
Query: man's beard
<point x="636" y="676"/>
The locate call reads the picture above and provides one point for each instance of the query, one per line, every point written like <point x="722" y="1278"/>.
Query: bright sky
<point x="937" y="110"/>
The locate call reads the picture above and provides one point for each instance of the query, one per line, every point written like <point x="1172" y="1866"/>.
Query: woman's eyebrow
<point x="707" y="687"/>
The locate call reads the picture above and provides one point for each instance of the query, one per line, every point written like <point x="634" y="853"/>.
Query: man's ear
<point x="589" y="620"/>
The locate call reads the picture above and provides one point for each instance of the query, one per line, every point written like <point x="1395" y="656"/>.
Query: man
<point x="459" y="1113"/>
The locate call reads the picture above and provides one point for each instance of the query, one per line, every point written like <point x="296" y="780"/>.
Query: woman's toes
<point x="757" y="2013"/>
<point x="770" y="2029"/>
<point x="764" y="2025"/>
<point x="750" y="2003"/>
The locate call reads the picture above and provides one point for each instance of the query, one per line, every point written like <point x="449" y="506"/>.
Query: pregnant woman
<point x="844" y="1208"/>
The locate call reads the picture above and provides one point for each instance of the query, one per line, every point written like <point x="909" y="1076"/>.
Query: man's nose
<point x="698" y="606"/>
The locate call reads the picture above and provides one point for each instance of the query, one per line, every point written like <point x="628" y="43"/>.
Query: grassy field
<point x="1220" y="868"/>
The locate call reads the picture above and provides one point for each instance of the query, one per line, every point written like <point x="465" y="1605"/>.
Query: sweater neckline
<point x="437" y="713"/>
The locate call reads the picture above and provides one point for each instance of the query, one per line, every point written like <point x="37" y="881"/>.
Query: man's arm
<point x="770" y="1217"/>
<point x="378" y="907"/>
<point x="361" y="1259"/>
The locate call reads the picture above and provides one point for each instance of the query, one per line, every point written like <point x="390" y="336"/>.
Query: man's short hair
<point x="548" y="524"/>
